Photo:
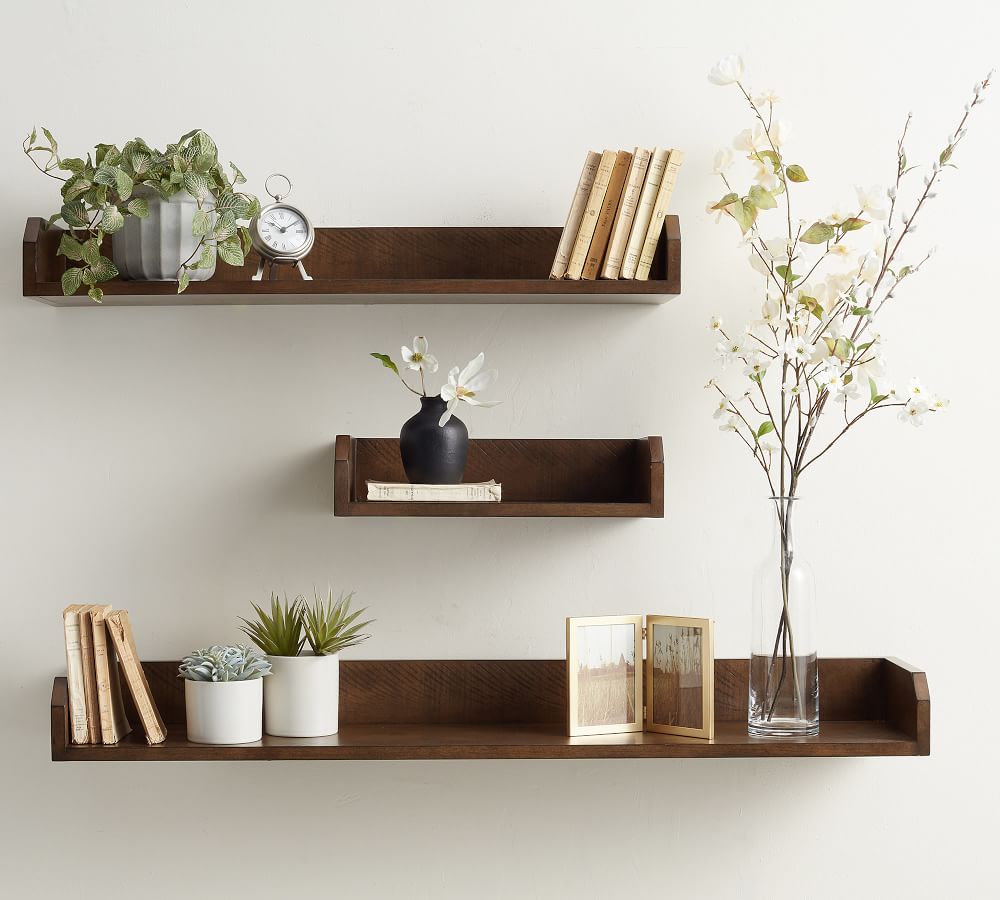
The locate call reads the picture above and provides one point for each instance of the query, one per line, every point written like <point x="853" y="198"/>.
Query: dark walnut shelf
<point x="379" y="265"/>
<point x="510" y="709"/>
<point x="588" y="478"/>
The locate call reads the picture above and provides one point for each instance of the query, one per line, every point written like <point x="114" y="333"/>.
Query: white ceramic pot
<point x="302" y="696"/>
<point x="224" y="712"/>
<point x="152" y="249"/>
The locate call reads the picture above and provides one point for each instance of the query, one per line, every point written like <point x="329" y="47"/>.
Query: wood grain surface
<point x="515" y="709"/>
<point x="598" y="477"/>
<point x="382" y="264"/>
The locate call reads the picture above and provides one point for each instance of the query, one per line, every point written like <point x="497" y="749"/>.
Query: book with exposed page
<point x="74" y="675"/>
<point x="622" y="226"/>
<point x="644" y="212"/>
<point x="590" y="215"/>
<point x="120" y="630"/>
<point x="609" y="209"/>
<point x="572" y="227"/>
<point x="659" y="215"/>
<point x="114" y="724"/>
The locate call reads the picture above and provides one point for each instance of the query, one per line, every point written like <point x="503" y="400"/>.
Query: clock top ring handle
<point x="279" y="195"/>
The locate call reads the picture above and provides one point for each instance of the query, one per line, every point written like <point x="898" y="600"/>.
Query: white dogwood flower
<point x="731" y="424"/>
<point x="914" y="412"/>
<point x="732" y="349"/>
<point x="769" y="95"/>
<point x="797" y="348"/>
<point x="727" y="70"/>
<point x="940" y="404"/>
<point x="722" y="408"/>
<point x="756" y="365"/>
<point x="715" y="323"/>
<point x="465" y="387"/>
<point x="418" y="359"/>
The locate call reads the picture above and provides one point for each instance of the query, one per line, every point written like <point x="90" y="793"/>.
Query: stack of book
<point x="98" y="642"/>
<point x="617" y="215"/>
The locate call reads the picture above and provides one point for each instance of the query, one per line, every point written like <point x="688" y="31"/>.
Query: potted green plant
<point x="302" y="698"/>
<point x="170" y="213"/>
<point x="222" y="694"/>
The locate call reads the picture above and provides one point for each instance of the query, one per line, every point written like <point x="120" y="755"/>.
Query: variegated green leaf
<point x="230" y="251"/>
<point x="201" y="223"/>
<point x="197" y="186"/>
<point x="112" y="219"/>
<point x="71" y="281"/>
<point x="70" y="247"/>
<point x="138" y="206"/>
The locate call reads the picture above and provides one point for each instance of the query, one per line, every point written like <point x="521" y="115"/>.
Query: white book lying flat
<point x="480" y="492"/>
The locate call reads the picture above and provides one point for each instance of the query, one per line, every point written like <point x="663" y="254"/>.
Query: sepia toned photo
<point x="604" y="680"/>
<point x="679" y="663"/>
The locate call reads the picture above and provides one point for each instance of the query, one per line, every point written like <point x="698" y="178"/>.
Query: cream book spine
<point x="644" y="212"/>
<point x="74" y="675"/>
<point x="114" y="724"/>
<point x="626" y="214"/>
<point x="89" y="675"/>
<point x="590" y="214"/>
<point x="479" y="492"/>
<point x="572" y="227"/>
<point x="659" y="216"/>
<point x="120" y="628"/>
<point x="609" y="209"/>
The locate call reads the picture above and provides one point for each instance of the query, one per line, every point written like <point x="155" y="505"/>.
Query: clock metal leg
<point x="260" y="272"/>
<point x="302" y="271"/>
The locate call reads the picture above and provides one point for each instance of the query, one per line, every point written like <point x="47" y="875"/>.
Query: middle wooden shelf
<point x="601" y="477"/>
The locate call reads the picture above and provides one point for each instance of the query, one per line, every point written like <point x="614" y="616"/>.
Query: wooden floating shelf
<point x="381" y="265"/>
<point x="509" y="709"/>
<point x="588" y="478"/>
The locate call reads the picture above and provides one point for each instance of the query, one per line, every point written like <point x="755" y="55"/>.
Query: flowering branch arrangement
<point x="463" y="385"/>
<point x="815" y="355"/>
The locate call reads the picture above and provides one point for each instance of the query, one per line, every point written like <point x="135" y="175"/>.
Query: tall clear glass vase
<point x="784" y="675"/>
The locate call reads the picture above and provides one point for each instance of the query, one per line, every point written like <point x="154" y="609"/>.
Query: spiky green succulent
<point x="280" y="632"/>
<point x="217" y="663"/>
<point x="330" y="626"/>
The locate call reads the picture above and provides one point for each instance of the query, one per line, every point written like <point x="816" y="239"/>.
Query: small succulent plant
<point x="329" y="626"/>
<point x="237" y="663"/>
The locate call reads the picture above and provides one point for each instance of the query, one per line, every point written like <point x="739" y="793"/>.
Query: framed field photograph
<point x="679" y="676"/>
<point x="604" y="674"/>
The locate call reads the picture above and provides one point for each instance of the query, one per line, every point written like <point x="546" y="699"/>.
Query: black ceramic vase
<point x="432" y="453"/>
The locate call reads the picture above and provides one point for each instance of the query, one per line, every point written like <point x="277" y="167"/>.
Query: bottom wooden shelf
<point x="514" y="709"/>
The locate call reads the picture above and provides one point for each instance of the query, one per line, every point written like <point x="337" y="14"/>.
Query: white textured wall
<point x="178" y="461"/>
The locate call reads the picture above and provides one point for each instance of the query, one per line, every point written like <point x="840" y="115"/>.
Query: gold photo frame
<point x="680" y="676"/>
<point x="604" y="674"/>
<point x="607" y="671"/>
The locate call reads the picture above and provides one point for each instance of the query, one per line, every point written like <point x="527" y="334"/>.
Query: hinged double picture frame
<point x="614" y="687"/>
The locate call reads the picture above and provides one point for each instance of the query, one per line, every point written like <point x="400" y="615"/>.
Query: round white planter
<point x="302" y="696"/>
<point x="224" y="712"/>
<point x="152" y="249"/>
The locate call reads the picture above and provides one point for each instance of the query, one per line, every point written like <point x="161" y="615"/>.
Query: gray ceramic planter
<point x="152" y="249"/>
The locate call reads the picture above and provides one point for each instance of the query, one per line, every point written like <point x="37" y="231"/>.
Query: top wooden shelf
<point x="380" y="265"/>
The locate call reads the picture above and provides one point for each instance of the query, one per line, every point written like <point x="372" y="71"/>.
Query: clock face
<point x="283" y="230"/>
